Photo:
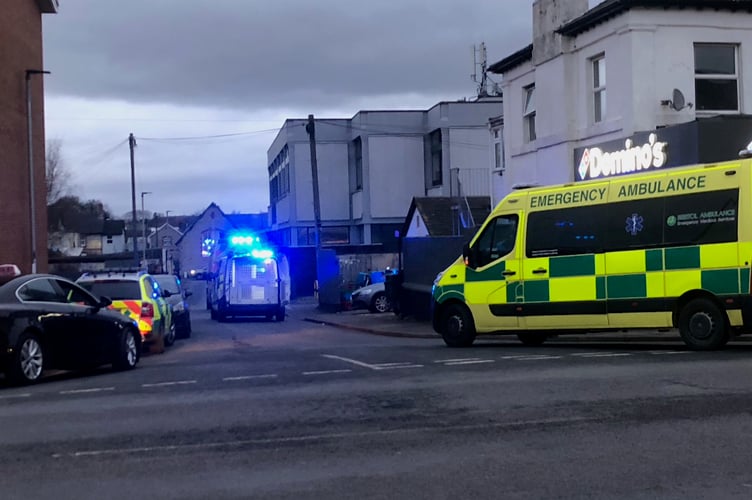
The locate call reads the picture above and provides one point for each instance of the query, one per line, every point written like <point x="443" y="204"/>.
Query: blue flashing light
<point x="244" y="240"/>
<point x="262" y="254"/>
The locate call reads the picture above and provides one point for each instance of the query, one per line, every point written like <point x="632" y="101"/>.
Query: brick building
<point x="21" y="50"/>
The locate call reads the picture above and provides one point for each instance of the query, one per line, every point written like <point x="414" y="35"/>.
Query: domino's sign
<point x="600" y="163"/>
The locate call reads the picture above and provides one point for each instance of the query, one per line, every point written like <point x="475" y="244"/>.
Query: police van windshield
<point x="249" y="269"/>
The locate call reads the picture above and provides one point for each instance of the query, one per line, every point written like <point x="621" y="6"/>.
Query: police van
<point x="657" y="250"/>
<point x="248" y="280"/>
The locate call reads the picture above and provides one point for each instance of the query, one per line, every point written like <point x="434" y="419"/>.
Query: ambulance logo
<point x="635" y="224"/>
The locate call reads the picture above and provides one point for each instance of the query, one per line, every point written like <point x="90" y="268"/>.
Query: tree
<point x="57" y="174"/>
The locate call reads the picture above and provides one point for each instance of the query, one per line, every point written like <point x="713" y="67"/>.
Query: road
<point x="296" y="410"/>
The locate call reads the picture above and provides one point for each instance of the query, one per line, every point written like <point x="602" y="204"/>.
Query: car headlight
<point x="438" y="278"/>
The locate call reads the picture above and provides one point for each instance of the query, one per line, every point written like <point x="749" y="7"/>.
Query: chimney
<point x="548" y="16"/>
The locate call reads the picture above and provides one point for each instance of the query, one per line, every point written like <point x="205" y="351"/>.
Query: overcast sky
<point x="174" y="69"/>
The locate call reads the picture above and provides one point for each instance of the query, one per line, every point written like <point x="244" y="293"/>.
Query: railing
<point x="469" y="182"/>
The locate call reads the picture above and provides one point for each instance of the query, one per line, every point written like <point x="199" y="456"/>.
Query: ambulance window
<point x="569" y="231"/>
<point x="496" y="241"/>
<point x="635" y="224"/>
<point x="702" y="218"/>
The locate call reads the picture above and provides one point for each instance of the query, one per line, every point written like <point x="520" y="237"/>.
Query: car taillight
<point x="147" y="310"/>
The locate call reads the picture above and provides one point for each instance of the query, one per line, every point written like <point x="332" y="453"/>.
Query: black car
<point x="176" y="296"/>
<point x="49" y="322"/>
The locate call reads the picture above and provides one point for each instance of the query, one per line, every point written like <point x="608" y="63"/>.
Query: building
<point x="21" y="51"/>
<point x="193" y="249"/>
<point x="626" y="85"/>
<point x="371" y="166"/>
<point x="445" y="216"/>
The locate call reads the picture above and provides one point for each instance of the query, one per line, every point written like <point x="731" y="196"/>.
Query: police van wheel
<point x="457" y="327"/>
<point x="703" y="326"/>
<point x="531" y="339"/>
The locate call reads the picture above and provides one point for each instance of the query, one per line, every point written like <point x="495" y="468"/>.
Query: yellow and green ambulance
<point x="657" y="250"/>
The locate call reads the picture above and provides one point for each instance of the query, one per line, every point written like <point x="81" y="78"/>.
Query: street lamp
<point x="167" y="216"/>
<point x="143" y="219"/>
<point x="32" y="201"/>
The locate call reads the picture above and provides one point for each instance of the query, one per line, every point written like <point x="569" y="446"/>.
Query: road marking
<point x="319" y="437"/>
<point x="84" y="391"/>
<point x="14" y="396"/>
<point x="326" y="372"/>
<point x="378" y="366"/>
<point x="165" y="384"/>
<point x="518" y="356"/>
<point x="249" y="377"/>
<point x="605" y="355"/>
<point x="470" y="362"/>
<point x="455" y="360"/>
<point x="539" y="357"/>
<point x="659" y="353"/>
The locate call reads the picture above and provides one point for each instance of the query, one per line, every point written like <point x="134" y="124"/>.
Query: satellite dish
<point x="677" y="100"/>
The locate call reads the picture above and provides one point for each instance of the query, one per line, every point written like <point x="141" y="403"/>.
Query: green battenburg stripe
<point x="627" y="287"/>
<point x="654" y="260"/>
<point x="512" y="292"/>
<point x="493" y="273"/>
<point x="723" y="281"/>
<point x="600" y="287"/>
<point x="744" y="278"/>
<point x="577" y="265"/>
<point x="683" y="258"/>
<point x="536" y="291"/>
<point x="448" y="291"/>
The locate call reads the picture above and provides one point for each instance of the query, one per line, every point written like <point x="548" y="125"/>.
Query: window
<point x="498" y="149"/>
<point x="634" y="224"/>
<point x="74" y="294"/>
<point x="599" y="88"/>
<point x="358" y="156"/>
<point x="528" y="113"/>
<point x="716" y="77"/>
<point x="569" y="231"/>
<point x="114" y="289"/>
<point x="40" y="290"/>
<point x="496" y="241"/>
<point x="436" y="158"/>
<point x="109" y="240"/>
<point x="166" y="241"/>
<point x="335" y="235"/>
<point x="701" y="218"/>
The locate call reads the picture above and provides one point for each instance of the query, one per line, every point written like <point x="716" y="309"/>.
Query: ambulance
<point x="662" y="249"/>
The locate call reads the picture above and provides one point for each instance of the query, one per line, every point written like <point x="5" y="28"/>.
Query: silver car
<point x="373" y="297"/>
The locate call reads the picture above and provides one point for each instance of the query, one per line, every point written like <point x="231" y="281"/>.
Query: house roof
<point x="612" y="8"/>
<point x="195" y="221"/>
<point x="112" y="227"/>
<point x="513" y="60"/>
<point x="437" y="212"/>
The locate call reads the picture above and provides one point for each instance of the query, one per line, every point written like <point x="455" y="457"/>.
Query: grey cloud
<point x="261" y="54"/>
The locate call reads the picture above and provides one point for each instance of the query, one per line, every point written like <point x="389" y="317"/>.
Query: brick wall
<point x="21" y="49"/>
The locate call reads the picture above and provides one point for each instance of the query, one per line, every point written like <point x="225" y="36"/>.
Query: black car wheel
<point x="280" y="315"/>
<point x="127" y="356"/>
<point x="27" y="362"/>
<point x="170" y="335"/>
<point x="457" y="328"/>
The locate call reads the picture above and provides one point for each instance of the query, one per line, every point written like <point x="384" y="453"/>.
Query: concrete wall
<point x="21" y="49"/>
<point x="395" y="174"/>
<point x="333" y="182"/>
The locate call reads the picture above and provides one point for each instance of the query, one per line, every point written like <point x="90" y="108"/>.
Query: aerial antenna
<point x="480" y="59"/>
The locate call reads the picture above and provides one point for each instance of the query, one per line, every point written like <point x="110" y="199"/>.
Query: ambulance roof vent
<point x="525" y="185"/>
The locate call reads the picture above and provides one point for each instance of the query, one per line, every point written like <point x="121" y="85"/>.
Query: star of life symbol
<point x="634" y="224"/>
<point x="584" y="164"/>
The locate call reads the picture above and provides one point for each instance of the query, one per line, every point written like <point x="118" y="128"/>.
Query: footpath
<point x="391" y="325"/>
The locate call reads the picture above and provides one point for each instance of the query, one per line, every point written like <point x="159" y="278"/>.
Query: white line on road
<point x="540" y="357"/>
<point x="658" y="353"/>
<point x="249" y="377"/>
<point x="165" y="384"/>
<point x="455" y="360"/>
<point x="318" y="437"/>
<point x="14" y="396"/>
<point x="85" y="391"/>
<point x="378" y="366"/>
<point x="326" y="372"/>
<point x="606" y="355"/>
<point x="470" y="362"/>
<point x="518" y="356"/>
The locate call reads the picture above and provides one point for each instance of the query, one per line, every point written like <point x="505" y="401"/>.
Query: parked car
<point x="137" y="295"/>
<point x="181" y="315"/>
<point x="48" y="322"/>
<point x="372" y="297"/>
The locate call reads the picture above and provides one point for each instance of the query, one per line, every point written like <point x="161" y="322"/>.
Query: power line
<point x="208" y="137"/>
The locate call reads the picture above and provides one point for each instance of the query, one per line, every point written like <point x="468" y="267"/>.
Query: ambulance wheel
<point x="457" y="328"/>
<point x="531" y="339"/>
<point x="213" y="313"/>
<point x="280" y="315"/>
<point x="703" y="326"/>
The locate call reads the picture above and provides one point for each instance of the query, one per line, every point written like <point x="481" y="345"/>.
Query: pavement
<point x="391" y="325"/>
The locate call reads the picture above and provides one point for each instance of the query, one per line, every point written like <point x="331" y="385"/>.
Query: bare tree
<point x="57" y="174"/>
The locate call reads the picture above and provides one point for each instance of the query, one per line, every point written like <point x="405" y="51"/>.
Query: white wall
<point x="333" y="182"/>
<point x="117" y="245"/>
<point x="648" y="53"/>
<point x="395" y="174"/>
<point x="417" y="227"/>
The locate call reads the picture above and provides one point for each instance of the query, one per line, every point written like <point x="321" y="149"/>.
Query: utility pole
<point x="132" y="144"/>
<point x="143" y="220"/>
<point x="32" y="190"/>
<point x="311" y="129"/>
